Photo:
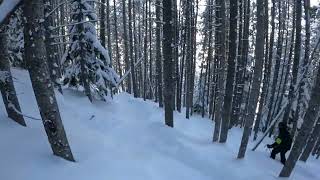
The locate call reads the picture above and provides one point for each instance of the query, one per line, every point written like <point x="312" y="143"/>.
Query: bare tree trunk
<point x="158" y="52"/>
<point x="254" y="96"/>
<point x="220" y="55"/>
<point x="227" y="105"/>
<point x="55" y="72"/>
<point x="270" y="56"/>
<point x="236" y="99"/>
<point x="145" y="52"/>
<point x="117" y="41"/>
<point x="150" y="54"/>
<point x="125" y="41"/>
<point x="176" y="52"/>
<point x="189" y="58"/>
<point x="305" y="71"/>
<point x="8" y="92"/>
<point x="296" y="60"/>
<point x="35" y="54"/>
<point x="133" y="74"/>
<point x="168" y="63"/>
<point x="242" y="63"/>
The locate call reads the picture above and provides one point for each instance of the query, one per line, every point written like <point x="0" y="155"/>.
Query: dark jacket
<point x="283" y="141"/>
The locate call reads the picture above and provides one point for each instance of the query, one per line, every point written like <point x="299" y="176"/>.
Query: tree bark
<point x="125" y="42"/>
<point x="254" y="96"/>
<point x="133" y="74"/>
<point x="220" y="55"/>
<point x="168" y="63"/>
<point x="158" y="52"/>
<point x="35" y="54"/>
<point x="227" y="105"/>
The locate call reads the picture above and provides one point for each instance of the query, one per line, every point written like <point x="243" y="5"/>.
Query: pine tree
<point x="83" y="65"/>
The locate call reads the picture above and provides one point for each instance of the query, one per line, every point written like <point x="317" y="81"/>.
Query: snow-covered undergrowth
<point x="126" y="139"/>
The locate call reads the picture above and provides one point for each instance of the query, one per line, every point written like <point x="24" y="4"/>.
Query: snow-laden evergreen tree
<point x="86" y="62"/>
<point x="16" y="40"/>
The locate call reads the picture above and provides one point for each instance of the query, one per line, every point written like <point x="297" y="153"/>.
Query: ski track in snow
<point x="126" y="138"/>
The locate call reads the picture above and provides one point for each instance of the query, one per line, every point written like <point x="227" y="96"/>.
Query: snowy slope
<point x="126" y="139"/>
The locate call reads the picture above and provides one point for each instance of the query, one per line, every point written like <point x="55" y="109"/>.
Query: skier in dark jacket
<point x="282" y="143"/>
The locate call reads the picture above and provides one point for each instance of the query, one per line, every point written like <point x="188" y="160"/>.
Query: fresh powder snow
<point x="126" y="139"/>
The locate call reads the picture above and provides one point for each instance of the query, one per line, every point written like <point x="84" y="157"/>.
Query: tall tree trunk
<point x="150" y="54"/>
<point x="117" y="40"/>
<point x="272" y="102"/>
<point x="125" y="42"/>
<point x="55" y="72"/>
<point x="270" y="56"/>
<point x="35" y="54"/>
<point x="254" y="96"/>
<point x="303" y="84"/>
<point x="227" y="105"/>
<point x="236" y="99"/>
<point x="220" y="55"/>
<point x="133" y="74"/>
<point x="243" y="63"/>
<point x="145" y="52"/>
<point x="168" y="63"/>
<point x="176" y="52"/>
<point x="266" y="74"/>
<point x="109" y="30"/>
<point x="296" y="60"/>
<point x="189" y="58"/>
<point x="8" y="92"/>
<point x="158" y="52"/>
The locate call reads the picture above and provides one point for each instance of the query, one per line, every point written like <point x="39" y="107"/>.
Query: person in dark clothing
<point x="282" y="143"/>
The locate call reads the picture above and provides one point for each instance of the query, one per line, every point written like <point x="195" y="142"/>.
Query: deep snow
<point x="126" y="138"/>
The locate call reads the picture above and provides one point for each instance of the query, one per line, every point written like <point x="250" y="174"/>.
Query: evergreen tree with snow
<point x="16" y="40"/>
<point x="86" y="62"/>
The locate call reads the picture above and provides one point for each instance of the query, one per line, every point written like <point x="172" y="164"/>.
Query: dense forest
<point x="248" y="64"/>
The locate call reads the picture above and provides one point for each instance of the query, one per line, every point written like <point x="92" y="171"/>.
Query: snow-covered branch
<point x="7" y="7"/>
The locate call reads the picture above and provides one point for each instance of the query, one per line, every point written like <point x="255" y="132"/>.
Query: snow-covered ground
<point x="126" y="139"/>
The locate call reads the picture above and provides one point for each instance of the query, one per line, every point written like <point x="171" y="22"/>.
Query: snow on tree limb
<point x="7" y="7"/>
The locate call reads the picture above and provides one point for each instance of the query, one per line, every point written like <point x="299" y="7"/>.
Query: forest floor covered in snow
<point x="125" y="138"/>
